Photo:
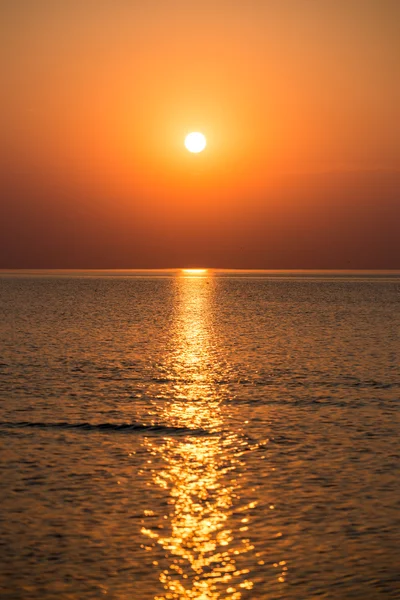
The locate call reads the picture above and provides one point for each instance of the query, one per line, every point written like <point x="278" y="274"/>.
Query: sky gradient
<point x="299" y="101"/>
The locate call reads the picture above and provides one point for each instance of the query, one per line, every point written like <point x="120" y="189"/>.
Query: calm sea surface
<point x="221" y="436"/>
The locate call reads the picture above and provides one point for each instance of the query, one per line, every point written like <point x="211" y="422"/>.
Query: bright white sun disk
<point x="195" y="142"/>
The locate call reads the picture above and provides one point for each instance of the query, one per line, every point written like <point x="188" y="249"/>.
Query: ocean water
<point x="207" y="436"/>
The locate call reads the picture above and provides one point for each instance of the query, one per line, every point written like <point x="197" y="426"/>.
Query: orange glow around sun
<point x="100" y="134"/>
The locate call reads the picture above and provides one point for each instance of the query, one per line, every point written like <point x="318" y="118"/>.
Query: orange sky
<point x="299" y="101"/>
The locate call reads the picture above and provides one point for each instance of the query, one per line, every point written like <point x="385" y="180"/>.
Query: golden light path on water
<point x="199" y="471"/>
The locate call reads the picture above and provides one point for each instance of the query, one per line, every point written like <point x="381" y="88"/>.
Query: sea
<point x="199" y="434"/>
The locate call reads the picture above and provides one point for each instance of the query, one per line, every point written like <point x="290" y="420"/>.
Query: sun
<point x="195" y="142"/>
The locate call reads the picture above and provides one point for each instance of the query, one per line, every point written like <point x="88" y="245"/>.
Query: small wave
<point x="112" y="427"/>
<point x="345" y="383"/>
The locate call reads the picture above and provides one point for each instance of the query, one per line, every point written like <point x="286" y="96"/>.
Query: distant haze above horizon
<point x="299" y="102"/>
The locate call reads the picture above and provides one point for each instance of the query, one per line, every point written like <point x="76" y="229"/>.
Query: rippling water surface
<point x="209" y="436"/>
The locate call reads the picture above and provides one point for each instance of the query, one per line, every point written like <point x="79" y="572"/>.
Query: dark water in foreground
<point x="214" y="437"/>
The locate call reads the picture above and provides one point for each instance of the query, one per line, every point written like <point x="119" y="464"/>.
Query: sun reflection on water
<point x="199" y="471"/>
<point x="195" y="272"/>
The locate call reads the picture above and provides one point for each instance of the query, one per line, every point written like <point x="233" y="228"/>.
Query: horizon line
<point x="192" y="268"/>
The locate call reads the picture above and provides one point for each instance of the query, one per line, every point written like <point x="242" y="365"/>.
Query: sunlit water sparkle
<point x="199" y="436"/>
